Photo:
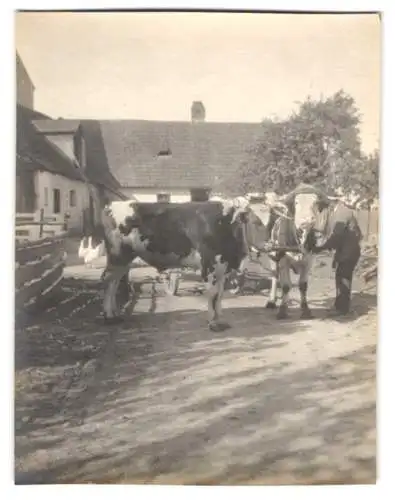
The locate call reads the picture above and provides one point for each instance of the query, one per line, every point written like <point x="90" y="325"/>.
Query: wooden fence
<point x="29" y="227"/>
<point x="39" y="258"/>
<point x="369" y="223"/>
<point x="38" y="270"/>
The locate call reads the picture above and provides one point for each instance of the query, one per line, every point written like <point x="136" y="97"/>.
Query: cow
<point x="206" y="236"/>
<point x="309" y="214"/>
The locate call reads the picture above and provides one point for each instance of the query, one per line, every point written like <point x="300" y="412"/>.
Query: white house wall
<point x="65" y="185"/>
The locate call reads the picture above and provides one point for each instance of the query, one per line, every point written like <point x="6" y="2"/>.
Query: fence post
<point x="369" y="215"/>
<point x="66" y="221"/>
<point x="41" y="223"/>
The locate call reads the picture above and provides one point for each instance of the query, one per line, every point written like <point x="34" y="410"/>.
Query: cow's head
<point x="305" y="204"/>
<point x="256" y="217"/>
<point x="235" y="208"/>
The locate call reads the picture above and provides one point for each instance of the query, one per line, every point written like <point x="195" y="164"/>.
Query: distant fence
<point x="369" y="223"/>
<point x="30" y="227"/>
<point x="38" y="270"/>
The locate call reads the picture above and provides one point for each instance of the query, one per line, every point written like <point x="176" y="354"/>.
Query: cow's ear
<point x="253" y="218"/>
<point x="290" y="204"/>
<point x="289" y="201"/>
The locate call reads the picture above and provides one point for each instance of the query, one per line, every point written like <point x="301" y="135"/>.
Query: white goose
<point x="82" y="251"/>
<point x="89" y="253"/>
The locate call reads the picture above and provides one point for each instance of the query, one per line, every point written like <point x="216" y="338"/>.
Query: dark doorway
<point x="200" y="194"/>
<point x="91" y="212"/>
<point x="56" y="201"/>
<point x="163" y="198"/>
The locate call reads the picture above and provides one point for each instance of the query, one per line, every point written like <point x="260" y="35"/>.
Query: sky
<point x="244" y="67"/>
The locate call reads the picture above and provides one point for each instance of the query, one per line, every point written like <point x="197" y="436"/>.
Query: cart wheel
<point x="171" y="282"/>
<point x="235" y="284"/>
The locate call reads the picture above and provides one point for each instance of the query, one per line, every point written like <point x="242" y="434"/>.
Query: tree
<point x="313" y="145"/>
<point x="363" y="176"/>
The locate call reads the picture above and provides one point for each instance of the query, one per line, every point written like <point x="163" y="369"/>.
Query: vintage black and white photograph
<point x="196" y="247"/>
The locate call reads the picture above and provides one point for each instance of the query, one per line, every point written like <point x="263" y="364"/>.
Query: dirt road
<point x="160" y="399"/>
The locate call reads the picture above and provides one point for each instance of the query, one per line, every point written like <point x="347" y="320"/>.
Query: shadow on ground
<point x="160" y="398"/>
<point x="361" y="304"/>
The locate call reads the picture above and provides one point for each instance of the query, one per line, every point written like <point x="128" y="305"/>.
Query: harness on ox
<point x="288" y="246"/>
<point x="257" y="270"/>
<point x="323" y="215"/>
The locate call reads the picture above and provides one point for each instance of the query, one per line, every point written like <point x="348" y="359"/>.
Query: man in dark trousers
<point x="343" y="235"/>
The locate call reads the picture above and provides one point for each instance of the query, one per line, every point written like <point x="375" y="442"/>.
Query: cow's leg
<point x="285" y="284"/>
<point x="221" y="287"/>
<point x="271" y="303"/>
<point x="124" y="289"/>
<point x="303" y="286"/>
<point x="215" y="290"/>
<point x="108" y="302"/>
<point x="113" y="278"/>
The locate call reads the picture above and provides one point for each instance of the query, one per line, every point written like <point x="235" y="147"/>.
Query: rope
<point x="281" y="214"/>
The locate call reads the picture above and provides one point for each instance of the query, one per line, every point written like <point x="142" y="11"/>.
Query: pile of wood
<point x="368" y="264"/>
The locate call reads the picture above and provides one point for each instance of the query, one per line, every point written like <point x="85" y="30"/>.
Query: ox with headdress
<point x="294" y="223"/>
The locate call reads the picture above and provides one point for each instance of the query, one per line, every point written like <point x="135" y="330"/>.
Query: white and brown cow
<point x="206" y="236"/>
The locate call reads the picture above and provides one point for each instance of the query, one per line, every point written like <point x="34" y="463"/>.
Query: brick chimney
<point x="198" y="112"/>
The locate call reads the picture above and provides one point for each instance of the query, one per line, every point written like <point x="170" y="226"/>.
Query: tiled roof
<point x="32" y="114"/>
<point x="200" y="154"/>
<point x="132" y="153"/>
<point x="97" y="169"/>
<point x="34" y="151"/>
<point x="58" y="126"/>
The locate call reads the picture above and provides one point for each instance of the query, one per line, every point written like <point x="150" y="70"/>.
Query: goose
<point x="89" y="253"/>
<point x="82" y="251"/>
<point x="93" y="253"/>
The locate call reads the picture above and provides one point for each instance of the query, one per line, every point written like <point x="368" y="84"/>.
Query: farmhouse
<point x="50" y="183"/>
<point x="156" y="160"/>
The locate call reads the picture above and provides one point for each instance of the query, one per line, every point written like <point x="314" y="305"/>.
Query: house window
<point x="56" y="201"/>
<point x="200" y="194"/>
<point x="164" y="152"/>
<point x="163" y="198"/>
<point x="73" y="198"/>
<point x="46" y="197"/>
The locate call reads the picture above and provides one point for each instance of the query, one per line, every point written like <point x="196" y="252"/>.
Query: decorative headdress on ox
<point x="239" y="204"/>
<point x="289" y="198"/>
<point x="260" y="203"/>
